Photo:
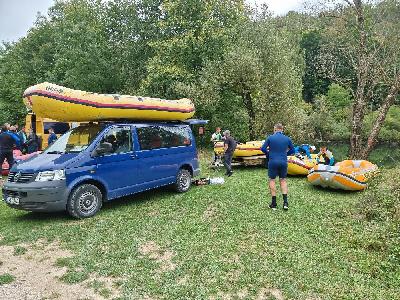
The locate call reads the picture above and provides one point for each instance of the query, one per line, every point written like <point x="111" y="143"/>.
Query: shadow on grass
<point x="135" y="199"/>
<point x="43" y="217"/>
<point x="256" y="167"/>
<point x="335" y="191"/>
<point x="138" y="199"/>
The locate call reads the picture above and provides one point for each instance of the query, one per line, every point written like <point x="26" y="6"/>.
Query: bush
<point x="390" y="131"/>
<point x="329" y="124"/>
<point x="338" y="97"/>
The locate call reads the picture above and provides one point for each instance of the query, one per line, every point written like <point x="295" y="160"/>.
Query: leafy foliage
<point x="314" y="83"/>
<point x="257" y="82"/>
<point x="331" y="114"/>
<point x="390" y="132"/>
<point x="244" y="69"/>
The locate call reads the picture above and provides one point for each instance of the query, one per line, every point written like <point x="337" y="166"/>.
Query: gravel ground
<point x="37" y="277"/>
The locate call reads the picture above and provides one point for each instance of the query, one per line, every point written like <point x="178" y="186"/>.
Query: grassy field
<point x="217" y="242"/>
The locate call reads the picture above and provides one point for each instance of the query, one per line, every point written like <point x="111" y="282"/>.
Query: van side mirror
<point x="103" y="148"/>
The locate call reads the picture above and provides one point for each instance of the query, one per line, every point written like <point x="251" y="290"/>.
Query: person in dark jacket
<point x="52" y="137"/>
<point x="32" y="144"/>
<point x="278" y="146"/>
<point x="6" y="148"/>
<point x="23" y="138"/>
<point x="229" y="148"/>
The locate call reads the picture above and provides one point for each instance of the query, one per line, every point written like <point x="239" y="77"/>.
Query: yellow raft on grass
<point x="349" y="175"/>
<point x="252" y="148"/>
<point x="298" y="166"/>
<point x="59" y="103"/>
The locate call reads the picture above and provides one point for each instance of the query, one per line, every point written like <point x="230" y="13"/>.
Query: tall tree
<point x="193" y="32"/>
<point x="256" y="83"/>
<point x="314" y="83"/>
<point x="359" y="38"/>
<point x="131" y="27"/>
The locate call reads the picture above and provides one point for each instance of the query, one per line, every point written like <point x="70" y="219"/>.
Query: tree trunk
<point x="356" y="143"/>
<point x="248" y="103"/>
<point x="383" y="110"/>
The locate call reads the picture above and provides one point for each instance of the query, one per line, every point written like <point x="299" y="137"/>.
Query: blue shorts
<point x="277" y="168"/>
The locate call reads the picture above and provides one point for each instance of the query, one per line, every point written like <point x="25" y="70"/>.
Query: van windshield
<point x="76" y="140"/>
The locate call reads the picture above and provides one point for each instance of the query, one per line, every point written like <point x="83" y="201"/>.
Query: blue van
<point x="94" y="163"/>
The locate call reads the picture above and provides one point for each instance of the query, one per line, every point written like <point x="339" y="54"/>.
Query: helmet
<point x="312" y="148"/>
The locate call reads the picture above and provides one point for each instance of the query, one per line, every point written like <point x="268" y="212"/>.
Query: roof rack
<point x="189" y="121"/>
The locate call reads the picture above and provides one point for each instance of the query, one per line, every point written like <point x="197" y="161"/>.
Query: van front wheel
<point x="85" y="201"/>
<point x="183" y="181"/>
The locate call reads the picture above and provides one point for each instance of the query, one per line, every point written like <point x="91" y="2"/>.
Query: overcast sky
<point x="17" y="16"/>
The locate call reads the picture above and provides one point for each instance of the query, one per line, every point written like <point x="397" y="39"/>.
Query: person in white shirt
<point x="215" y="138"/>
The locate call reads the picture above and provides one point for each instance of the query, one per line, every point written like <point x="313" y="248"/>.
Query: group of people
<point x="12" y="139"/>
<point x="276" y="147"/>
<point x="324" y="156"/>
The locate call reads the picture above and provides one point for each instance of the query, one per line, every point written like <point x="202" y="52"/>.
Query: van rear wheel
<point x="183" y="181"/>
<point x="85" y="201"/>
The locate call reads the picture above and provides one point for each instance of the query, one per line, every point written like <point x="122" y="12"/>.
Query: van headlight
<point x="51" y="175"/>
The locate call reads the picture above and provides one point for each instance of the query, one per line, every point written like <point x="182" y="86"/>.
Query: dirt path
<point x="37" y="276"/>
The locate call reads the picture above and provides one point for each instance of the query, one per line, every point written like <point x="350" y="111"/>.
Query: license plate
<point x="12" y="200"/>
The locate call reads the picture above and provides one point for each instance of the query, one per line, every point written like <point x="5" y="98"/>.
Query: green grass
<point x="73" y="276"/>
<point x="19" y="250"/>
<point x="6" y="278"/>
<point x="223" y="239"/>
<point x="100" y="288"/>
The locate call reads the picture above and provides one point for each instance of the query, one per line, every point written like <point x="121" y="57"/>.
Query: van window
<point x="75" y="140"/>
<point x="120" y="138"/>
<point x="155" y="137"/>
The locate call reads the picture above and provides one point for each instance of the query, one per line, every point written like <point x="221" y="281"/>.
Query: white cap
<point x="312" y="148"/>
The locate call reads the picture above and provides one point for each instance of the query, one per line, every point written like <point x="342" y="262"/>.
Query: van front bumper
<point x="36" y="196"/>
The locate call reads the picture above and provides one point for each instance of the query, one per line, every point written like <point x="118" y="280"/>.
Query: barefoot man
<point x="279" y="147"/>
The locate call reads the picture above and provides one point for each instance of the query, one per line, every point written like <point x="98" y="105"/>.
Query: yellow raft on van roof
<point x="59" y="103"/>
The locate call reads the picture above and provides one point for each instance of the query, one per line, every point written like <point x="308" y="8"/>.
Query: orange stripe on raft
<point x="349" y="183"/>
<point x="313" y="177"/>
<point x="299" y="164"/>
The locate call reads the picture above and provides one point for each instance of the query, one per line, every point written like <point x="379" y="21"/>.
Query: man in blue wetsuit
<point x="279" y="146"/>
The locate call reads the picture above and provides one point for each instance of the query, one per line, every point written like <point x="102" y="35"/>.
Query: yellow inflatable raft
<point x="252" y="148"/>
<point x="350" y="175"/>
<point x="298" y="166"/>
<point x="59" y="103"/>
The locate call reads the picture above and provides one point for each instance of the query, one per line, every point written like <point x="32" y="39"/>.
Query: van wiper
<point x="55" y="152"/>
